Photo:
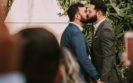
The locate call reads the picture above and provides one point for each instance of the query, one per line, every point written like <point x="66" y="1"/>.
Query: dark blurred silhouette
<point x="8" y="46"/>
<point x="9" y="59"/>
<point x="41" y="56"/>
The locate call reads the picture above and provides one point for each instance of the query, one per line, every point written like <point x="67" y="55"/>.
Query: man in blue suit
<point x="73" y="40"/>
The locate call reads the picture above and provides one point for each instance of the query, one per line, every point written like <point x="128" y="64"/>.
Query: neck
<point x="99" y="19"/>
<point x="78" y="22"/>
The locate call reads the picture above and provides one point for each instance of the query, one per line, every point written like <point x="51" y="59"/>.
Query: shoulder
<point x="71" y="31"/>
<point x="107" y="26"/>
<point x="71" y="28"/>
<point x="107" y="30"/>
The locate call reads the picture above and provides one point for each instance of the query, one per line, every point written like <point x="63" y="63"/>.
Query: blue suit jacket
<point x="73" y="40"/>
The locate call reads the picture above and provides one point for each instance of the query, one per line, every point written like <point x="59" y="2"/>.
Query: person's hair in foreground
<point x="71" y="68"/>
<point x="40" y="55"/>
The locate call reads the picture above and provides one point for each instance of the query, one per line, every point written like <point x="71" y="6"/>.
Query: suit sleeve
<point x="107" y="46"/>
<point x="79" y="46"/>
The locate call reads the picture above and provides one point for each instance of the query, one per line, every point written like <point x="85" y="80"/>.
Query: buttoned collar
<point x="97" y="25"/>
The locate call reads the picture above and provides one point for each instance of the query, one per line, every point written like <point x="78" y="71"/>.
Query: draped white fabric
<point x="34" y="13"/>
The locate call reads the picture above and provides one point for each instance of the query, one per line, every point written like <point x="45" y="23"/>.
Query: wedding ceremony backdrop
<point x="119" y="14"/>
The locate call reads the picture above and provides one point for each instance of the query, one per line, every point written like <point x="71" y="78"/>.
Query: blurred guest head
<point x="40" y="56"/>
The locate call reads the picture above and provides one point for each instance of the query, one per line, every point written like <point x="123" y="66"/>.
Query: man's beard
<point x="84" y="21"/>
<point x="92" y="19"/>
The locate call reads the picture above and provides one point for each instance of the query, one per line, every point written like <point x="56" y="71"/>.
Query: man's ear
<point x="99" y="13"/>
<point x="59" y="74"/>
<point x="77" y="16"/>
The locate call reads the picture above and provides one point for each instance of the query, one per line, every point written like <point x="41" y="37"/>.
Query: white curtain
<point x="36" y="13"/>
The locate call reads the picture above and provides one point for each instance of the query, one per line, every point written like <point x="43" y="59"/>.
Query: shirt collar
<point x="77" y="26"/>
<point x="97" y="25"/>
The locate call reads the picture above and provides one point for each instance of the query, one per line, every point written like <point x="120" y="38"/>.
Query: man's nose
<point x="87" y="12"/>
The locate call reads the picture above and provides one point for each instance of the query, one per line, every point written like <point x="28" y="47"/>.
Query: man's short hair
<point x="73" y="9"/>
<point x="99" y="5"/>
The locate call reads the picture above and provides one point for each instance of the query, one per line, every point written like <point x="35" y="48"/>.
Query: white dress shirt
<point x="97" y="25"/>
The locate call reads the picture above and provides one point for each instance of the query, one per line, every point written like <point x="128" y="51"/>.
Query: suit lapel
<point x="100" y="27"/>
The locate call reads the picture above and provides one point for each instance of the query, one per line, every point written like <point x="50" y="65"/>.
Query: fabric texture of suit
<point x="102" y="53"/>
<point x="73" y="40"/>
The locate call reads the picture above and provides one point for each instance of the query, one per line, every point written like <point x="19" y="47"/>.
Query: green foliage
<point x="120" y="15"/>
<point x="9" y="4"/>
<point x="66" y="3"/>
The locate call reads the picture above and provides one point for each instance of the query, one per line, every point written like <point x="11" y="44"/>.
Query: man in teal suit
<point x="73" y="40"/>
